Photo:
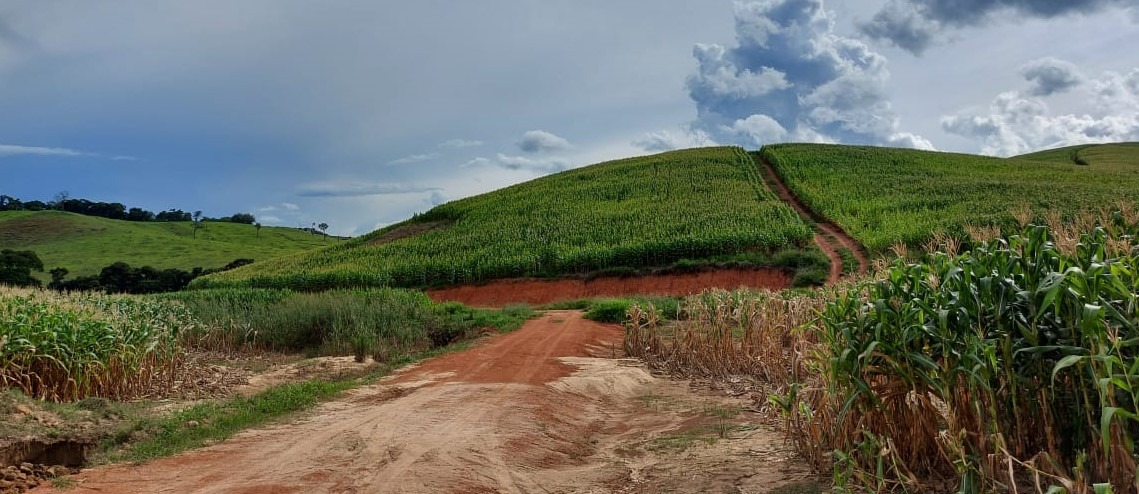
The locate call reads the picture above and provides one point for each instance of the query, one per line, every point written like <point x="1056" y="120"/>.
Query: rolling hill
<point x="633" y="213"/>
<point x="703" y="205"/>
<point x="85" y="244"/>
<point x="883" y="196"/>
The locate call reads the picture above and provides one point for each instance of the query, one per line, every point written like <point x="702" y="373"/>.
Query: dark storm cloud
<point x="791" y="77"/>
<point x="1050" y="76"/>
<point x="914" y="25"/>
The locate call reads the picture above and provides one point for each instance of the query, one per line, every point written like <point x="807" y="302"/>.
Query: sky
<point x="361" y="113"/>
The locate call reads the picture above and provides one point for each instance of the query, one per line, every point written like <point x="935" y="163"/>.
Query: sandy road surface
<point x="543" y="409"/>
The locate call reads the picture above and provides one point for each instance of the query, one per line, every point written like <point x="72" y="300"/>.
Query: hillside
<point x="85" y="244"/>
<point x="633" y="213"/>
<point x="883" y="196"/>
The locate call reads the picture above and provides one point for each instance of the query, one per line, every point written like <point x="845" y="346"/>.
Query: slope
<point x="883" y="196"/>
<point x="85" y="244"/>
<point x="1114" y="154"/>
<point x="616" y="216"/>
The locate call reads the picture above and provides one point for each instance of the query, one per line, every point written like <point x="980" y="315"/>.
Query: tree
<point x="197" y="222"/>
<point x="243" y="218"/>
<point x="16" y="267"/>
<point x="258" y="225"/>
<point x="60" y="198"/>
<point x="323" y="229"/>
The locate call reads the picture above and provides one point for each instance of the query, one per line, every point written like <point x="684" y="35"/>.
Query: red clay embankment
<point x="538" y="292"/>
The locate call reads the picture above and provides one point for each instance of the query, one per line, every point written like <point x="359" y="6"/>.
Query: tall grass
<point x="65" y="347"/>
<point x="376" y="322"/>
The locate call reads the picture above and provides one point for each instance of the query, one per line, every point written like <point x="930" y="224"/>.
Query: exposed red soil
<point x="408" y="231"/>
<point x="532" y="411"/>
<point x="537" y="292"/>
<point x="826" y="228"/>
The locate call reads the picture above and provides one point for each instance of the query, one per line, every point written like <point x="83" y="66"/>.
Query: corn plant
<point x="67" y="347"/>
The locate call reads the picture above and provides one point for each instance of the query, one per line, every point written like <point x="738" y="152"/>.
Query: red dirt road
<point x="537" y="292"/>
<point x="828" y="230"/>
<point x="526" y="412"/>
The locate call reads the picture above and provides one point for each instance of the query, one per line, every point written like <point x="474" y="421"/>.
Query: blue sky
<point x="360" y="113"/>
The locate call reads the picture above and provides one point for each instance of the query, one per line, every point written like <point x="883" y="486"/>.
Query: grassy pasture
<point x="883" y="196"/>
<point x="86" y="244"/>
<point x="631" y="213"/>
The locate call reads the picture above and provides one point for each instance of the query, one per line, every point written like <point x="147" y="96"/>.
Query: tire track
<point x="829" y="237"/>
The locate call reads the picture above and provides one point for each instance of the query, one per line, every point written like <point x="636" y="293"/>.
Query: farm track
<point x="827" y="233"/>
<point x="545" y="409"/>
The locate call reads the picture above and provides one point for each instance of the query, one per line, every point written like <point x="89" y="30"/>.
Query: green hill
<point x="632" y="213"/>
<point x="85" y="244"/>
<point x="883" y="196"/>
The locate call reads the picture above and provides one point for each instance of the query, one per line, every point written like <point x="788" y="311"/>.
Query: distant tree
<point x="16" y="267"/>
<point x="58" y="274"/>
<point x="323" y="229"/>
<point x="197" y="222"/>
<point x="139" y="214"/>
<point x="59" y="199"/>
<point x="243" y="218"/>
<point x="36" y="206"/>
<point x="119" y="278"/>
<point x="9" y="203"/>
<point x="258" y="225"/>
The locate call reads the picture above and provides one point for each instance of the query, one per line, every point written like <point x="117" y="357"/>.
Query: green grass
<point x="883" y="196"/>
<point x="86" y="244"/>
<point x="632" y="213"/>
<point x="382" y="323"/>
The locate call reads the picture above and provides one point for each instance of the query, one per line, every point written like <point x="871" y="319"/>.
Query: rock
<point x="192" y="424"/>
<point x="58" y="471"/>
<point x="23" y="409"/>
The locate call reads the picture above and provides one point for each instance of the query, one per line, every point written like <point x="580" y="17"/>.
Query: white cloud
<point x="16" y="150"/>
<point x="480" y="161"/>
<point x="1017" y="124"/>
<point x="290" y="206"/>
<point x="415" y="158"/>
<point x="1050" y="76"/>
<point x="540" y="141"/>
<point x="665" y="140"/>
<point x="537" y="165"/>
<point x="353" y="188"/>
<point x="460" y="143"/>
<point x="267" y="209"/>
<point x="269" y="220"/>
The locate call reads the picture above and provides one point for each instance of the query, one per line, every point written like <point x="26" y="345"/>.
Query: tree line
<point x="16" y="269"/>
<point x="113" y="210"/>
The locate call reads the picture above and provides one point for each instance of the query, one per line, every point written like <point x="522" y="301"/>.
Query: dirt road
<point x="543" y="409"/>
<point x="829" y="237"/>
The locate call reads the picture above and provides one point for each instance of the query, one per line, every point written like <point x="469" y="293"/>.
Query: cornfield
<point x="883" y="197"/>
<point x="638" y="212"/>
<point x="67" y="347"/>
<point x="1009" y="368"/>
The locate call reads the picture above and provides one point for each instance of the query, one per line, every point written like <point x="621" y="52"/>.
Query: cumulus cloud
<point x="359" y="188"/>
<point x="791" y="77"/>
<point x="538" y="165"/>
<point x="1018" y="123"/>
<point x="460" y="143"/>
<point x="665" y="140"/>
<point x="1050" y="76"/>
<point x="540" y="141"/>
<point x="290" y="206"/>
<point x="415" y="158"/>
<point x="914" y="25"/>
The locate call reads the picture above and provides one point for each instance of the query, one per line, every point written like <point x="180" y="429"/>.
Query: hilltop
<point x="85" y="244"/>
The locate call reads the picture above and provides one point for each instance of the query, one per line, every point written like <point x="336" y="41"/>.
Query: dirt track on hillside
<point x="531" y="291"/>
<point x="543" y="409"/>
<point x="828" y="232"/>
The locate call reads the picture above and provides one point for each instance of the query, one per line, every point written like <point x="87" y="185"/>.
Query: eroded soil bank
<point x="538" y="292"/>
<point x="544" y="409"/>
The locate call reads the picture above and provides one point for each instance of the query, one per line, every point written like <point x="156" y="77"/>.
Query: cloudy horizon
<point x="364" y="114"/>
